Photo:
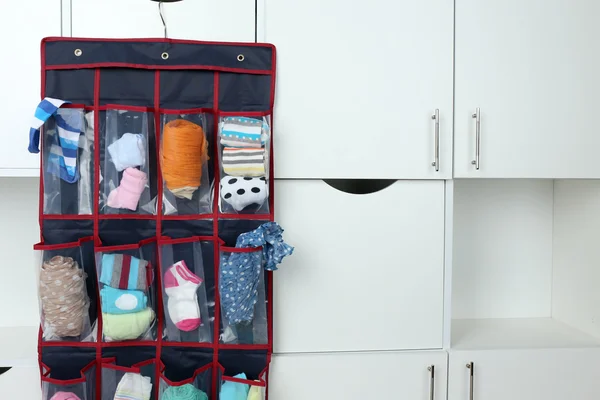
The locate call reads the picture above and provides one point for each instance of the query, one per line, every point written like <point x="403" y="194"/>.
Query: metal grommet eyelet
<point x="164" y="55"/>
<point x="240" y="57"/>
<point x="78" y="52"/>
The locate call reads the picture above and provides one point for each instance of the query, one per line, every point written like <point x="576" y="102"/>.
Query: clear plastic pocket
<point x="126" y="173"/>
<point x="127" y="291"/>
<point x="124" y="383"/>
<point x="68" y="162"/>
<point x="198" y="386"/>
<point x="242" y="296"/>
<point x="62" y="292"/>
<point x="244" y="144"/>
<point x="184" y="289"/>
<point x="240" y="387"/>
<point x="82" y="388"/>
<point x="184" y="155"/>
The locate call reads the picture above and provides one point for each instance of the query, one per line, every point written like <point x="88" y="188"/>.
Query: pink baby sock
<point x="180" y="286"/>
<point x="127" y="195"/>
<point x="64" y="396"/>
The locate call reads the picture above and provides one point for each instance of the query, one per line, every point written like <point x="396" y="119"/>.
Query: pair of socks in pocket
<point x="182" y="303"/>
<point x="242" y="162"/>
<point x="133" y="386"/>
<point x="127" y="194"/>
<point x="125" y="311"/>
<point x="242" y="192"/>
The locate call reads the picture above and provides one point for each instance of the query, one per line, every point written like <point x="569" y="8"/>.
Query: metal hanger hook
<point x="160" y="11"/>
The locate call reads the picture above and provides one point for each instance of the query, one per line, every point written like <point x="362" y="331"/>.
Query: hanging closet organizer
<point x="136" y="86"/>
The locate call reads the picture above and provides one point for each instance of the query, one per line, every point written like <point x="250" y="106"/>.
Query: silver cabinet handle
<point x="431" y="370"/>
<point x="477" y="117"/>
<point x="471" y="368"/>
<point x="436" y="118"/>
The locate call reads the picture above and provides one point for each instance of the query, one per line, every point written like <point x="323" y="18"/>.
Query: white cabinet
<point x="357" y="86"/>
<point x="531" y="67"/>
<point x="557" y="374"/>
<point x="22" y="382"/>
<point x="223" y="20"/>
<point x="393" y="375"/>
<point x="24" y="26"/>
<point x="373" y="265"/>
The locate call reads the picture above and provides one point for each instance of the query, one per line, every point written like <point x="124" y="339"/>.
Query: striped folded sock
<point x="122" y="271"/>
<point x="244" y="161"/>
<point x="242" y="132"/>
<point x="62" y="159"/>
<point x="64" y="149"/>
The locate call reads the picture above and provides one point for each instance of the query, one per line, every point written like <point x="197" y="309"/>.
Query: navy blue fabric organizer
<point x="156" y="76"/>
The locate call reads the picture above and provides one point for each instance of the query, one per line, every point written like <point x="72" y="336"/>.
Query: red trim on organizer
<point x="273" y="76"/>
<point x="261" y="380"/>
<point x="62" y="246"/>
<point x="186" y="381"/>
<point x="122" y="107"/>
<point x="67" y="216"/>
<point x="159" y="67"/>
<point x="190" y="217"/>
<point x="223" y="346"/>
<point x="110" y="363"/>
<point x="96" y="155"/>
<point x="197" y="345"/>
<point x="132" y="246"/>
<point x="270" y="274"/>
<point x="266" y="375"/>
<point x="244" y="113"/>
<point x="159" y="213"/>
<point x="254" y="217"/>
<point x="68" y="344"/>
<point x="175" y="111"/>
<point x="240" y="249"/>
<point x="42" y="95"/>
<point x="61" y="382"/>
<point x="153" y="40"/>
<point x="216" y="258"/>
<point x="126" y="216"/>
<point x="75" y="105"/>
<point x="130" y="343"/>
<point x="165" y="240"/>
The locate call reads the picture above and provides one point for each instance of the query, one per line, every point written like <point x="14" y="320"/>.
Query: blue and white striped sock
<point x="62" y="158"/>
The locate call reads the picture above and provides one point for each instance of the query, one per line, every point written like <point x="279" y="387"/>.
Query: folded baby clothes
<point x="244" y="161"/>
<point x="126" y="326"/>
<point x="116" y="301"/>
<point x="256" y="393"/>
<point x="122" y="271"/>
<point x="128" y="151"/>
<point x="63" y="296"/>
<point x="242" y="192"/>
<point x="234" y="390"/>
<point x="181" y="286"/>
<point x="133" y="386"/>
<point x="128" y="193"/>
<point x="242" y="132"/>
<point x="183" y="392"/>
<point x="64" y="396"/>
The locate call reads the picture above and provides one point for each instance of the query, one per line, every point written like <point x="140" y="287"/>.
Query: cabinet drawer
<point x="367" y="273"/>
<point x="393" y="375"/>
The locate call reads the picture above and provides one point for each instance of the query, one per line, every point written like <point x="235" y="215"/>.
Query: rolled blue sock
<point x="117" y="301"/>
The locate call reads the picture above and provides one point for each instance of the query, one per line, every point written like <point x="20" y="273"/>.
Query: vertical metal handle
<point x="471" y="368"/>
<point x="436" y="161"/>
<point x="477" y="117"/>
<point x="431" y="370"/>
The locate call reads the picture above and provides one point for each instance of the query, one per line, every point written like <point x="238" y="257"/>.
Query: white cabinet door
<point x="22" y="382"/>
<point x="386" y="375"/>
<point x="549" y="374"/>
<point x="367" y="272"/>
<point x="223" y="20"/>
<point x="24" y="26"/>
<point x="532" y="69"/>
<point x="357" y="86"/>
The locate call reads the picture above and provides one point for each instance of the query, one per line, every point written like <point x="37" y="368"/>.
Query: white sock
<point x="181" y="286"/>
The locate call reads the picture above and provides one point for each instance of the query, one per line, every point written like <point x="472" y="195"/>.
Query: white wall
<point x="19" y="231"/>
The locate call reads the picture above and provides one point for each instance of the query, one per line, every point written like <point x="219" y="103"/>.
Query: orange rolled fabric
<point x="184" y="150"/>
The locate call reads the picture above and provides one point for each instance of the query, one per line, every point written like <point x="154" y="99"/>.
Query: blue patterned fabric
<point x="240" y="272"/>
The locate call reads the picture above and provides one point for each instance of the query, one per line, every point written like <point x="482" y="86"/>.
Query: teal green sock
<point x="184" y="392"/>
